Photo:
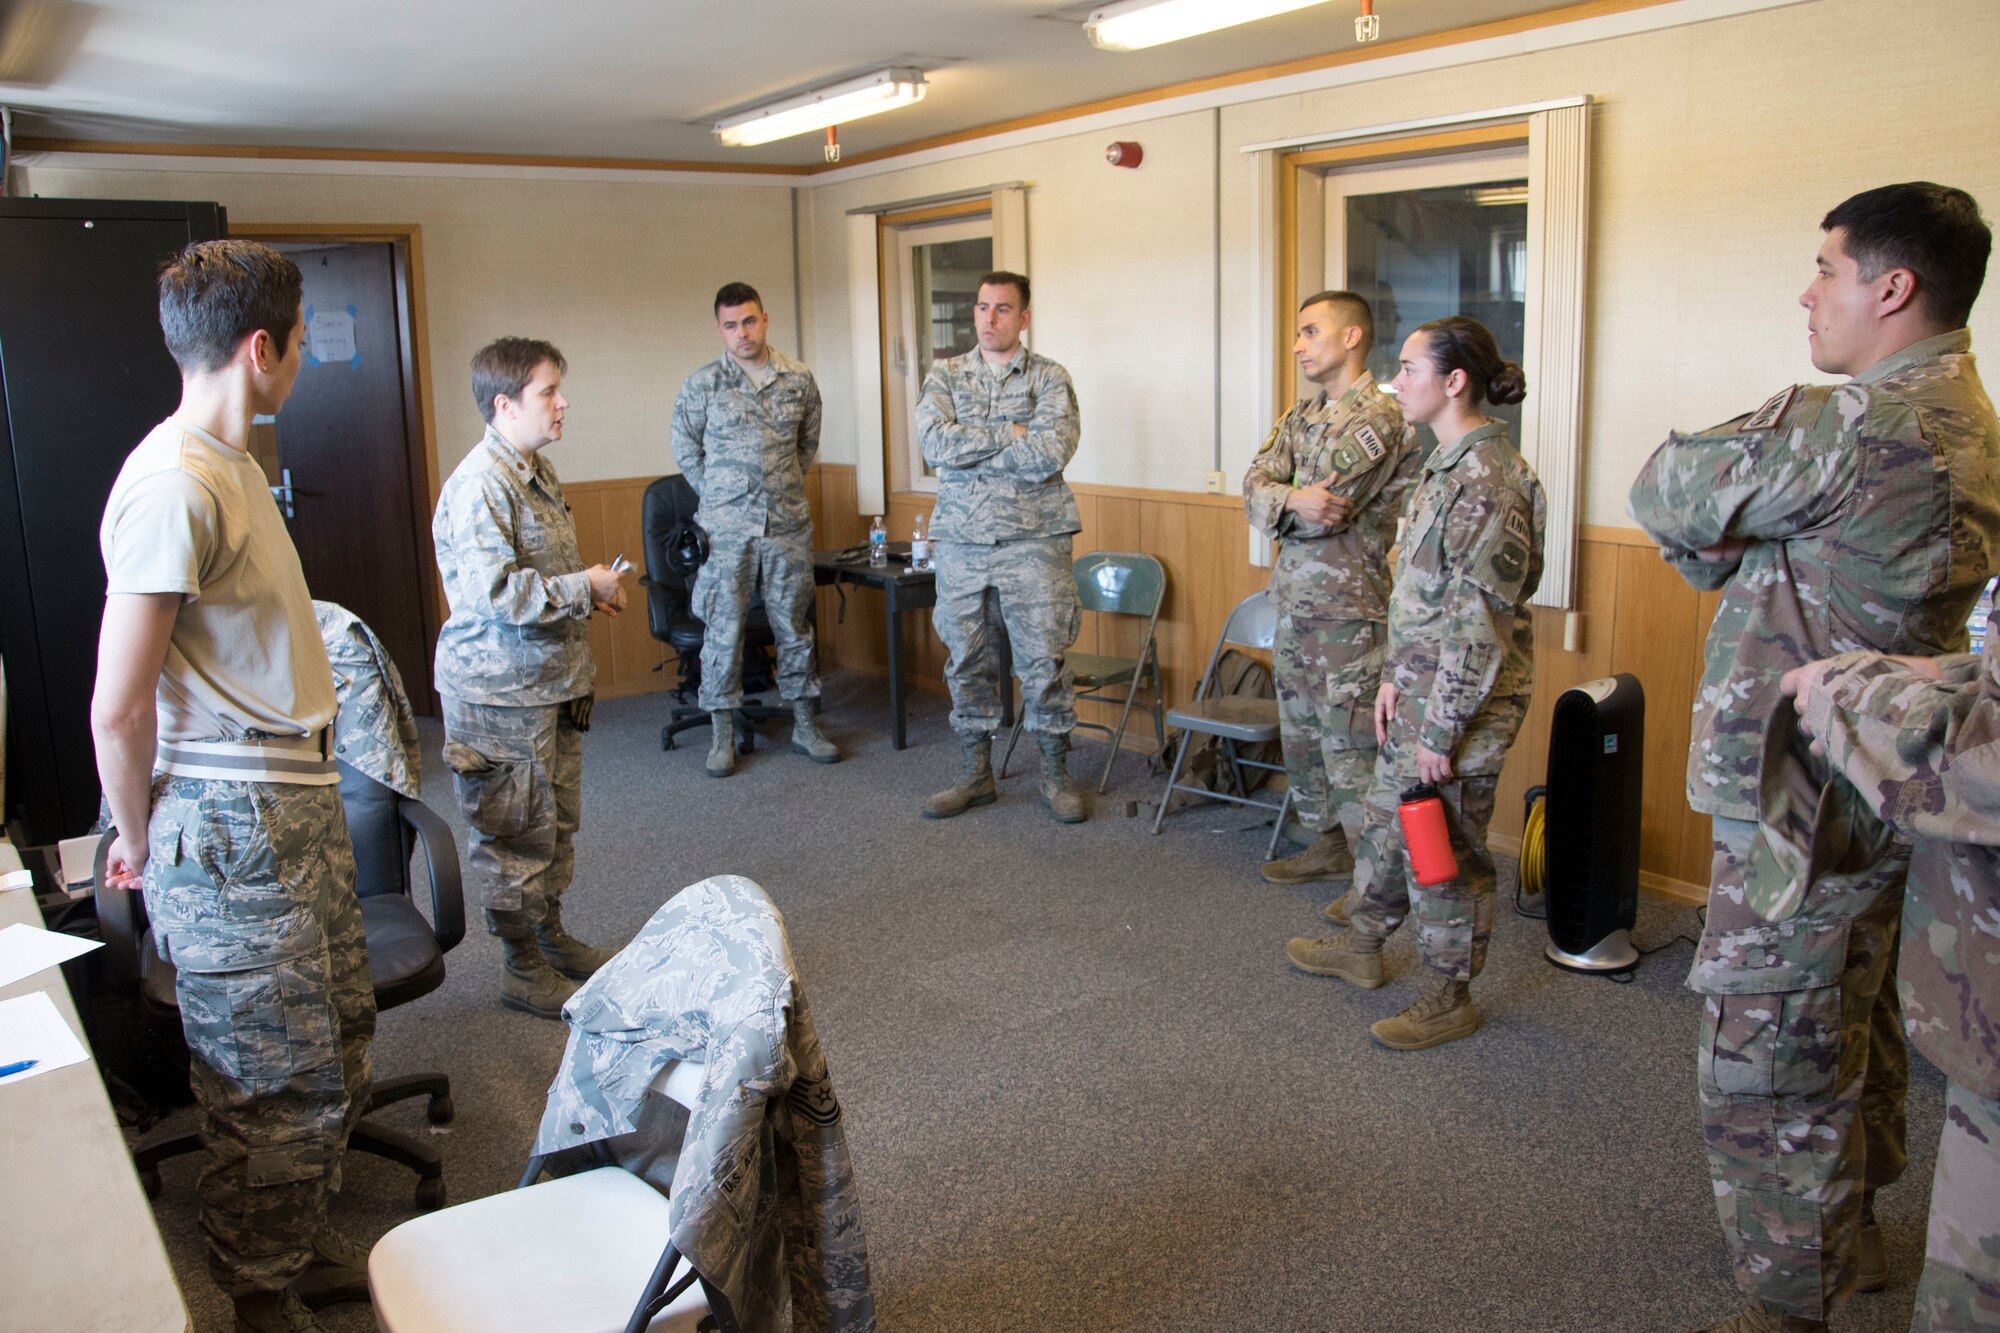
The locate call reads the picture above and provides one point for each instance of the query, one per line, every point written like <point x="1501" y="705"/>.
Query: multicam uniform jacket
<point x="519" y="631"/>
<point x="746" y="447"/>
<point x="1461" y="640"/>
<point x="375" y="729"/>
<point x="1925" y="757"/>
<point x="992" y="485"/>
<point x="763" y="1178"/>
<point x="1328" y="573"/>
<point x="1871" y="511"/>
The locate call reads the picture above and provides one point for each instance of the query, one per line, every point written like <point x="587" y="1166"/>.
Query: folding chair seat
<point x="1232" y="719"/>
<point x="1121" y="583"/>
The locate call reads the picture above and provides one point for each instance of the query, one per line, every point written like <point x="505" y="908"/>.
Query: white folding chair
<point x="588" y="1253"/>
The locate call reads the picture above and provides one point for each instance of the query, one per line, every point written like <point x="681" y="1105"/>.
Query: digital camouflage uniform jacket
<point x="763" y="1189"/>
<point x="519" y="631"/>
<point x="746" y="449"/>
<point x="992" y="486"/>
<point x="1323" y="572"/>
<point x="1925" y="757"/>
<point x="375" y="729"/>
<point x="1872" y="512"/>
<point x="1460" y="633"/>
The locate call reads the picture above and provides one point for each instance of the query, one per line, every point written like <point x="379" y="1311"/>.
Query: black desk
<point x="903" y="589"/>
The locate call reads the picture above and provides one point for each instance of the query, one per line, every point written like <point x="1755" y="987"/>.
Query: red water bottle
<point x="1427" y="835"/>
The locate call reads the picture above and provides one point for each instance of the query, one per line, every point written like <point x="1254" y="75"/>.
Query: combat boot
<point x="1354" y="957"/>
<point x="975" y="779"/>
<point x="722" y="744"/>
<point x="1873" y="1270"/>
<point x="1326" y="858"/>
<point x="338" y="1271"/>
<point x="274" y="1312"/>
<point x="528" y="983"/>
<point x="566" y="953"/>
<point x="1755" y="1320"/>
<point x="807" y="738"/>
<point x="1442" y="1013"/>
<point x="1066" y="804"/>
<point x="1341" y="910"/>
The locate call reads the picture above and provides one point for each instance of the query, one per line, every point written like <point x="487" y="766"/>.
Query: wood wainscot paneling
<point x="1636" y="615"/>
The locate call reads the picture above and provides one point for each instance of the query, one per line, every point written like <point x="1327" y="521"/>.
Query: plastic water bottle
<point x="920" y="547"/>
<point x="878" y="542"/>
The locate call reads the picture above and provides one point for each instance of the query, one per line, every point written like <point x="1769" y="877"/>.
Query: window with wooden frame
<point x="931" y="262"/>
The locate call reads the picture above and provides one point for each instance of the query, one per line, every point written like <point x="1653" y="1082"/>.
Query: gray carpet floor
<point x="1084" y="1091"/>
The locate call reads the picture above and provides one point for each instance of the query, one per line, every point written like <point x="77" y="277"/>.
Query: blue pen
<point x="18" y="1067"/>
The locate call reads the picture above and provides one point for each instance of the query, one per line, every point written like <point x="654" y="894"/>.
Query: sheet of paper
<point x="330" y="334"/>
<point x="32" y="1029"/>
<point x="26" y="950"/>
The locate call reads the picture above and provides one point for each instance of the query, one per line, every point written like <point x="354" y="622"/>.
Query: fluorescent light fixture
<point x="884" y="90"/>
<point x="1133" y="25"/>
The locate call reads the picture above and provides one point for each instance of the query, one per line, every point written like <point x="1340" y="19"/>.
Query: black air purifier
<point x="1590" y="824"/>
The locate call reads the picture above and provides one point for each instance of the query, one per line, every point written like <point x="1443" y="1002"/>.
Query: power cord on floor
<point x="1625" y="976"/>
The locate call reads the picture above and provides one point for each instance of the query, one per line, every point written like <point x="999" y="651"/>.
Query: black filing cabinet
<point x="83" y="377"/>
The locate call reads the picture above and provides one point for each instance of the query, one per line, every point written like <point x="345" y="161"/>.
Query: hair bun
<point x="1508" y="385"/>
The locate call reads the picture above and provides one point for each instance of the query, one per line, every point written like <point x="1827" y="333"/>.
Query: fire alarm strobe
<point x="1124" y="153"/>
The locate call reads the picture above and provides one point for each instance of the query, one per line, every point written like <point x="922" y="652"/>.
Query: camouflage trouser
<point x="1802" y="1071"/>
<point x="1026" y="587"/>
<point x="250" y="890"/>
<point x="1326" y="672"/>
<point x="519" y="776"/>
<point x="1960" y="1289"/>
<point x="1455" y="919"/>
<point x="723" y="591"/>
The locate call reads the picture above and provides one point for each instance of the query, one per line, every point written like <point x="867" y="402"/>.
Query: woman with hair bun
<point x="1455" y="685"/>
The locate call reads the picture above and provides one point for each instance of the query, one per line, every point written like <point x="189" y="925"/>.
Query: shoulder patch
<point x="1517" y="526"/>
<point x="1773" y="410"/>
<point x="1371" y="443"/>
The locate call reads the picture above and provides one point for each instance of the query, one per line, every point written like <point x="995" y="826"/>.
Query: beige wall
<point x="1717" y="148"/>
<point x="620" y="275"/>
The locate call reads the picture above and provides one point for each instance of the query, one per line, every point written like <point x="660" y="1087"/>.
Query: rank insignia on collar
<point x="1772" y="412"/>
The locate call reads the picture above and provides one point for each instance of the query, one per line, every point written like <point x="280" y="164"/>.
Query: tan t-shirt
<point x="188" y="514"/>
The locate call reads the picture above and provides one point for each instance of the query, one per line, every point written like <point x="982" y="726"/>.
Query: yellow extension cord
<point x="1534" y="863"/>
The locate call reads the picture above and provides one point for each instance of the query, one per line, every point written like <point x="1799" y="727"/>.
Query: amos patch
<point x="1371" y="443"/>
<point x="1517" y="526"/>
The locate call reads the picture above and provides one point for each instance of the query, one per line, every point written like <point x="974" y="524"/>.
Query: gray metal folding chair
<point x="1231" y="719"/>
<point x="1121" y="583"/>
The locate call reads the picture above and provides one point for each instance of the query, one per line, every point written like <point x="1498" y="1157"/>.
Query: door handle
<point x="284" y="495"/>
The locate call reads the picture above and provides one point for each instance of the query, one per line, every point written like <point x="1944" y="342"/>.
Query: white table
<point x="79" y="1249"/>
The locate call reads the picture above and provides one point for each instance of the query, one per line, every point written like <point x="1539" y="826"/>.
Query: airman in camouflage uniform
<point x="746" y="429"/>
<point x="765" y="1206"/>
<point x="1919" y="752"/>
<point x="1455" y="684"/>
<point x="210" y="716"/>
<point x="999" y="424"/>
<point x="1832" y="518"/>
<point x="1347" y="454"/>
<point x="376" y="729"/>
<point x="515" y="670"/>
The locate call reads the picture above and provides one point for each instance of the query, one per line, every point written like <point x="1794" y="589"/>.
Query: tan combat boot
<point x="1755" y="1320"/>
<point x="527" y="982"/>
<point x="975" y="779"/>
<point x="1873" y="1271"/>
<point x="1341" y="910"/>
<point x="566" y="953"/>
<point x="338" y="1271"/>
<point x="1442" y="1013"/>
<point x="1327" y="858"/>
<point x="722" y="744"/>
<point x="1354" y="957"/>
<point x="274" y="1312"/>
<point x="1066" y="804"/>
<point x="807" y="738"/>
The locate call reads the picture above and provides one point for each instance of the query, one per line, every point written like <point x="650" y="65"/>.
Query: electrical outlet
<point x="1218" y="482"/>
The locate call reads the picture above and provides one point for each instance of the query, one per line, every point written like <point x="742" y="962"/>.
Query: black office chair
<point x="405" y="960"/>
<point x="666" y="511"/>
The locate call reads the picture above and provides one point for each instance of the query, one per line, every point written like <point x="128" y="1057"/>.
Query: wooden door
<point x="346" y="437"/>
